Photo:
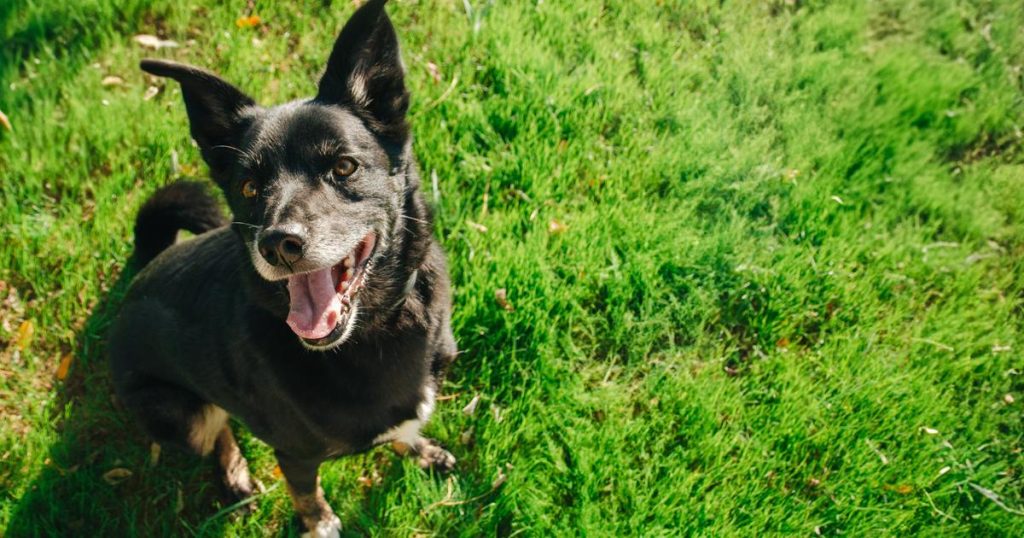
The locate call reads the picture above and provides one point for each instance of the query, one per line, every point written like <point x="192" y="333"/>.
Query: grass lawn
<point x="763" y="264"/>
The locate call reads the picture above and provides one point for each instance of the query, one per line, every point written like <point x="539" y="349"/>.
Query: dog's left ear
<point x="365" y="72"/>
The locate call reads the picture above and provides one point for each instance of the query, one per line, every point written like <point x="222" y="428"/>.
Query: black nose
<point x="281" y="248"/>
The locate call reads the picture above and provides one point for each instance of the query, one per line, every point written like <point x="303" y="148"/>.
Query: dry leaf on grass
<point x="499" y="479"/>
<point x="153" y="42"/>
<point x="112" y="80"/>
<point x="902" y="489"/>
<point x="556" y="227"/>
<point x="248" y="22"/>
<point x="470" y="408"/>
<point x="154" y="454"/>
<point x="477" y="226"/>
<point x="65" y="366"/>
<point x="25" y="332"/>
<point x="433" y="71"/>
<point x="4" y="121"/>
<point x="150" y="93"/>
<point x="501" y="296"/>
<point x="116" y="476"/>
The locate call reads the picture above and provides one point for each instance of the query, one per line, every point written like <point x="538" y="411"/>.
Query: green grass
<point x="783" y="295"/>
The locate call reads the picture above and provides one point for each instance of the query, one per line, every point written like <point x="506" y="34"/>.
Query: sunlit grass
<point x="761" y="260"/>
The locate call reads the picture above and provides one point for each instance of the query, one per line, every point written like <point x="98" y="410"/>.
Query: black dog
<point x="321" y="316"/>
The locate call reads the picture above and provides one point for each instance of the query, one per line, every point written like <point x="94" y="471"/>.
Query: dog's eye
<point x="345" y="167"/>
<point x="249" y="188"/>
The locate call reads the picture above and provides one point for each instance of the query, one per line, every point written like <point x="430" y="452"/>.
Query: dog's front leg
<point x="308" y="497"/>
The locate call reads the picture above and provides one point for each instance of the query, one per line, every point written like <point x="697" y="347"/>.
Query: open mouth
<point x="321" y="300"/>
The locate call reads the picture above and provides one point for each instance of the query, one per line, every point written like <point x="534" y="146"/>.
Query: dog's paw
<point x="432" y="456"/>
<point x="238" y="485"/>
<point x="327" y="527"/>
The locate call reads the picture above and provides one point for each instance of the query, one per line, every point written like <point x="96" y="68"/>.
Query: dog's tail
<point x="183" y="205"/>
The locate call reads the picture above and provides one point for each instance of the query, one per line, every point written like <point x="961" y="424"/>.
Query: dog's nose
<point x="281" y="248"/>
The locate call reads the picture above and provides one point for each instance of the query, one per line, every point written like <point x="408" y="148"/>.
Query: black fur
<point x="204" y="324"/>
<point x="184" y="205"/>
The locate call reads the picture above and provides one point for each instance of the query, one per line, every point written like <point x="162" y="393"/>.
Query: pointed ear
<point x="215" y="111"/>
<point x="365" y="72"/>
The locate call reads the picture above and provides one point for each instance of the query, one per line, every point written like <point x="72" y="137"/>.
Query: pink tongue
<point x="315" y="306"/>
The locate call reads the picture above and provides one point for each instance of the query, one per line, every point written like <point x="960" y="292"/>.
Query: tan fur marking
<point x="315" y="513"/>
<point x="206" y="428"/>
<point x="232" y="463"/>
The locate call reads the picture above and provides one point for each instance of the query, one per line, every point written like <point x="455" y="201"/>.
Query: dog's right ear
<point x="215" y="111"/>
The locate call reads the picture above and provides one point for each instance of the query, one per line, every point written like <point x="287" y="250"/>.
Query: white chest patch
<point x="408" y="432"/>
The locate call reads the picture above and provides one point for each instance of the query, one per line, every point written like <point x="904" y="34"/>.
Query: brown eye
<point x="249" y="188"/>
<point x="345" y="167"/>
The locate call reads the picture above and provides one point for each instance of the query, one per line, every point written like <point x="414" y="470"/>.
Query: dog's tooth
<point x="347" y="275"/>
<point x="348" y="262"/>
<point x="343" y="286"/>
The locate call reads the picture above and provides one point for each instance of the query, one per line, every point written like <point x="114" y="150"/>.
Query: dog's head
<point x="318" y="186"/>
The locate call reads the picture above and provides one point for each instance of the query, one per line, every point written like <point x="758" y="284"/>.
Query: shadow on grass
<point x="83" y="489"/>
<point x="76" y="494"/>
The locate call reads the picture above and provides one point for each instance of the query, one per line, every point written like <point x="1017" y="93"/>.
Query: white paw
<point x="329" y="528"/>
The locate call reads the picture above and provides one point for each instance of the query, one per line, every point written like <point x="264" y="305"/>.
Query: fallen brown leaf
<point x="25" y="332"/>
<point x="116" y="476"/>
<point x="65" y="366"/>
<point x="902" y="489"/>
<point x="555" y="227"/>
<point x="471" y="406"/>
<point x="154" y="454"/>
<point x="248" y="22"/>
<point x="153" y="42"/>
<point x="501" y="296"/>
<point x="434" y="72"/>
<point x="4" y="121"/>
<point x="499" y="479"/>
<point x="112" y="80"/>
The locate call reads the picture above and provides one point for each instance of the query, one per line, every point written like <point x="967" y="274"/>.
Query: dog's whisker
<point x="421" y="221"/>
<point x="241" y="152"/>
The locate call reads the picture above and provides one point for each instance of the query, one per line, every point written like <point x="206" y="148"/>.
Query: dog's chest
<point x="329" y="408"/>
